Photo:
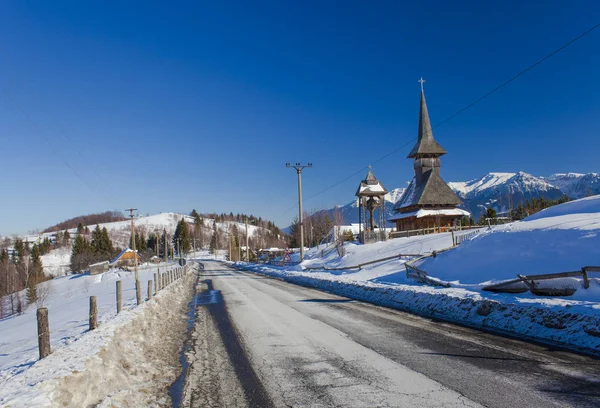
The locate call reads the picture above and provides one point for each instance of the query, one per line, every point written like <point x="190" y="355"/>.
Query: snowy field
<point x="559" y="239"/>
<point x="67" y="300"/>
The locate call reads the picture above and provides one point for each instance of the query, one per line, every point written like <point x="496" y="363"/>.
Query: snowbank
<point x="68" y="305"/>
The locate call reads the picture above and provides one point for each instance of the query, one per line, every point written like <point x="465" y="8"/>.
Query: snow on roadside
<point x="141" y="360"/>
<point x="562" y="238"/>
<point x="68" y="306"/>
<point x="575" y="327"/>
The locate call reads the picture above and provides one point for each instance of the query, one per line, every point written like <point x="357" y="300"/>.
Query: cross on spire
<point x="422" y="81"/>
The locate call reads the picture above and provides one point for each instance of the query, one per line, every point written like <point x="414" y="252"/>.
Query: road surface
<point x="289" y="346"/>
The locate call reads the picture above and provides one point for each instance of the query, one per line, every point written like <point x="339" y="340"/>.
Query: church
<point x="428" y="202"/>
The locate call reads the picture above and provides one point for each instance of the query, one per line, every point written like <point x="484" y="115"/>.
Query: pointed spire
<point x="426" y="144"/>
<point x="370" y="176"/>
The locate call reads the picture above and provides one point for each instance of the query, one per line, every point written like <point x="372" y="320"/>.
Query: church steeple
<point x="426" y="144"/>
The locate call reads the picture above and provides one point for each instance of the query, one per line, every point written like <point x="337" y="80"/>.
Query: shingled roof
<point x="433" y="191"/>
<point x="426" y="144"/>
<point x="370" y="186"/>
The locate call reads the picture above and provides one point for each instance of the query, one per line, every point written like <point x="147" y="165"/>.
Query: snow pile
<point x="67" y="300"/>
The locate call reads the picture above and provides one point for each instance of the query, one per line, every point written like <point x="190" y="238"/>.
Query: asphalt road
<point x="291" y="346"/>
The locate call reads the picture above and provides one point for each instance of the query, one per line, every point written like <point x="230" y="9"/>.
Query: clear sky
<point x="169" y="106"/>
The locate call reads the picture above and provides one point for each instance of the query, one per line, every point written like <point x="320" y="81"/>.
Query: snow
<point x="425" y="213"/>
<point x="487" y="181"/>
<point x="375" y="188"/>
<point x="57" y="262"/>
<point x="67" y="300"/>
<point x="588" y="205"/>
<point x="562" y="238"/>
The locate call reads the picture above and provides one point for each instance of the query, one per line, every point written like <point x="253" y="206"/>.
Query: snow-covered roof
<point x="426" y="213"/>
<point x="370" y="186"/>
<point x="123" y="252"/>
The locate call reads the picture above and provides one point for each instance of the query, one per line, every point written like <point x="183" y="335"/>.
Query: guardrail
<point x="512" y="286"/>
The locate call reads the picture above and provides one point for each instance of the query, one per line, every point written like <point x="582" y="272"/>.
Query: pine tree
<point x="66" y="238"/>
<point x="107" y="244"/>
<point x="97" y="240"/>
<point x="80" y="229"/>
<point x="213" y="239"/>
<point x="182" y="236"/>
<point x="35" y="274"/>
<point x="81" y="254"/>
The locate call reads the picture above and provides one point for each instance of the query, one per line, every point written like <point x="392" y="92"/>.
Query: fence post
<point x="158" y="283"/>
<point x="155" y="284"/>
<point x="138" y="292"/>
<point x="452" y="231"/>
<point x="586" y="279"/>
<point x="93" y="313"/>
<point x="119" y="296"/>
<point x="43" y="332"/>
<point x="150" y="289"/>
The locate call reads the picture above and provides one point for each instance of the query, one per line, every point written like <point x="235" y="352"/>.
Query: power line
<point x="458" y="112"/>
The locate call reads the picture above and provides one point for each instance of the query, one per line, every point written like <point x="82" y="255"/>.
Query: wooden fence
<point x="161" y="281"/>
<point x="524" y="283"/>
<point x="359" y="266"/>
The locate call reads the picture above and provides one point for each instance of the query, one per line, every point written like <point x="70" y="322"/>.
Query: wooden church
<point x="428" y="202"/>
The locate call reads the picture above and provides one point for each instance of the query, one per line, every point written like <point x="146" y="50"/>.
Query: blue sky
<point x="169" y="106"/>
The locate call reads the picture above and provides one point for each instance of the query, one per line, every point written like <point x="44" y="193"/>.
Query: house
<point x="126" y="258"/>
<point x="99" y="268"/>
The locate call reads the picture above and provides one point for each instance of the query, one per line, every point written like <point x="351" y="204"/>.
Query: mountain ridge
<point x="499" y="190"/>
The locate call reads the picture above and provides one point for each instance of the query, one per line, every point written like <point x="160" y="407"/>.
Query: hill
<point x="90" y="219"/>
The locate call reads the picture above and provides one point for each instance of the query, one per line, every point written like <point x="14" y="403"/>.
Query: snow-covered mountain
<point x="501" y="191"/>
<point x="576" y="185"/>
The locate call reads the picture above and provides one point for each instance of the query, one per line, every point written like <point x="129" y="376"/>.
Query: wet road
<point x="306" y="348"/>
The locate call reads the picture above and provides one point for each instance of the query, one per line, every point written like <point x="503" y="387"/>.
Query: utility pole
<point x="229" y="239"/>
<point x="247" y="249"/>
<point x="135" y="265"/>
<point x="166" y="247"/>
<point x="299" y="167"/>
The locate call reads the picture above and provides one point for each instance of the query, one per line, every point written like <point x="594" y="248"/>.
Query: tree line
<point x="90" y="219"/>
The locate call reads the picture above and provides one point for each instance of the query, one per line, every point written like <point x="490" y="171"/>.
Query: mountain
<point x="576" y="185"/>
<point x="500" y="191"/>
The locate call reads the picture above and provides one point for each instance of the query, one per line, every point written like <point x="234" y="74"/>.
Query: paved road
<point x="307" y="348"/>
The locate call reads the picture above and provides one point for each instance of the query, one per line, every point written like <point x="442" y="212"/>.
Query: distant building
<point x="99" y="268"/>
<point x="126" y="258"/>
<point x="428" y="202"/>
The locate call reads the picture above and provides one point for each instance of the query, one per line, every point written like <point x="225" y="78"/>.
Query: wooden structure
<point x="428" y="202"/>
<point x="127" y="257"/>
<point x="371" y="193"/>
<point x="99" y="268"/>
